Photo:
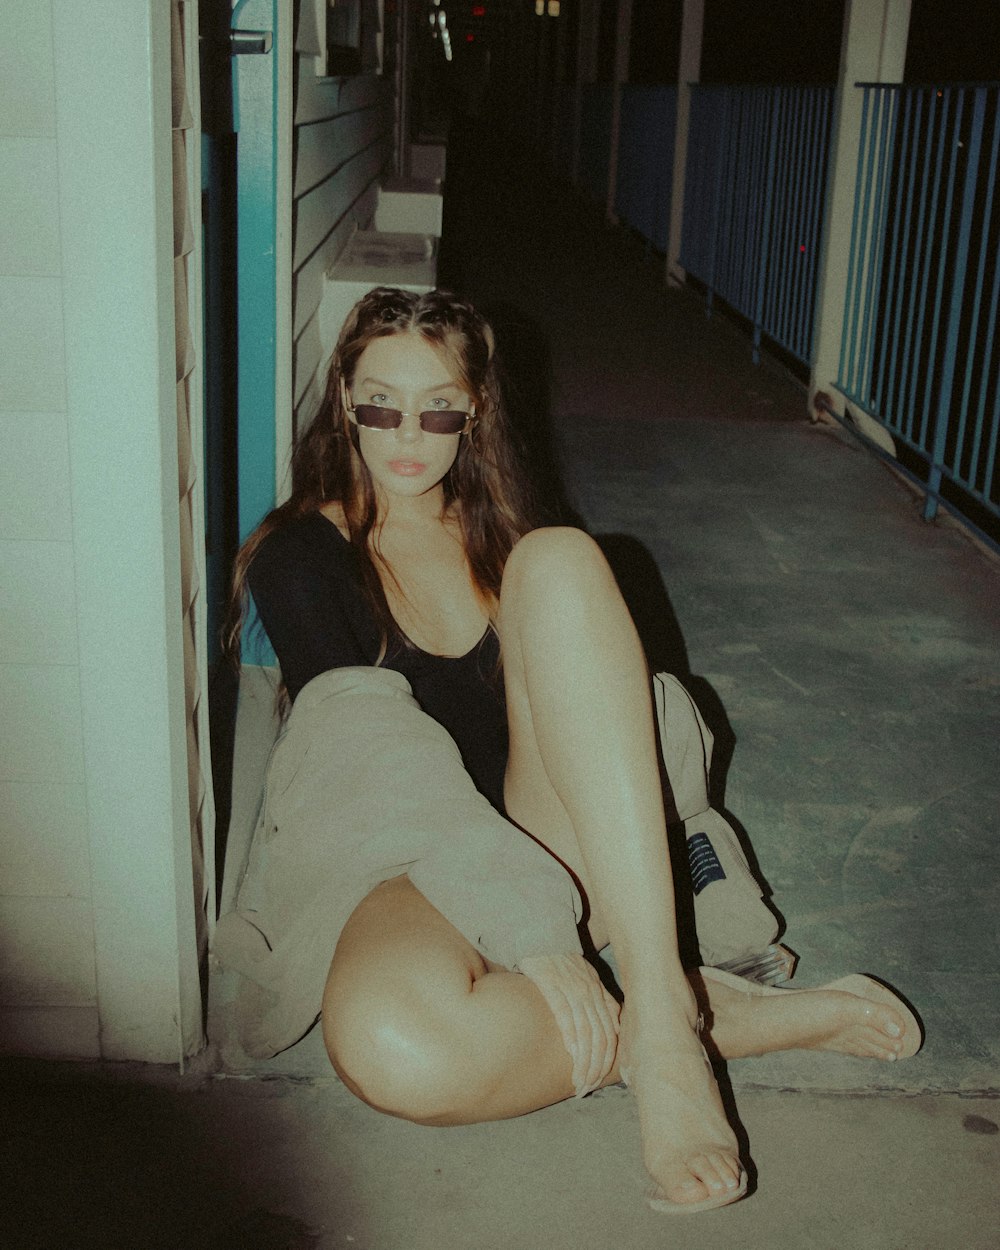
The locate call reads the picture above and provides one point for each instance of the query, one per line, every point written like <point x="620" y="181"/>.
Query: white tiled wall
<point x="27" y="71"/>
<point x="46" y="922"/>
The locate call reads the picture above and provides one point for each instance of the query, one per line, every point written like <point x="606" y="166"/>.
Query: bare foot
<point x="871" y="1015"/>
<point x="687" y="1145"/>
<point x="853" y="1016"/>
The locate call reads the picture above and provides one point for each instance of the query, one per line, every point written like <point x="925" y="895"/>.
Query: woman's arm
<point x="307" y="592"/>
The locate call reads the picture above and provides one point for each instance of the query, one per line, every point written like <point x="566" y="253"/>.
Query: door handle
<point x="249" y="42"/>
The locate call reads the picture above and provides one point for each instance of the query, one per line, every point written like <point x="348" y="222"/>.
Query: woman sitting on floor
<point x="469" y="778"/>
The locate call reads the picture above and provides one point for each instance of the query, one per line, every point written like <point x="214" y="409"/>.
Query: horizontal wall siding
<point x="343" y="148"/>
<point x="321" y="143"/>
<point x="317" y="213"/>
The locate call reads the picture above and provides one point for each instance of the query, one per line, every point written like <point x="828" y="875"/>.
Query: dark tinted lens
<point x="376" y="418"/>
<point x="436" y="422"/>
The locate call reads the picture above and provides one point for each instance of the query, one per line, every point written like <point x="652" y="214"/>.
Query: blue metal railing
<point x="644" y="176"/>
<point x="918" y="351"/>
<point x="753" y="205"/>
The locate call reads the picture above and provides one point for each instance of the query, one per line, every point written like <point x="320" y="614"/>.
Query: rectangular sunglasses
<point x="434" y="421"/>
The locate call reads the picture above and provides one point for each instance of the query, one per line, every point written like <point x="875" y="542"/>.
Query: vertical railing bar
<point x="931" y="171"/>
<point x="911" y="353"/>
<point x="740" y="199"/>
<point x="889" y="321"/>
<point x="784" y="174"/>
<point x="799" y="191"/>
<point x="991" y="323"/>
<point x="942" y="267"/>
<point x="914" y="107"/>
<point x="976" y="311"/>
<point x="699" y="202"/>
<point x="738" y="190"/>
<point x="960" y="266"/>
<point x="796" y="260"/>
<point x="778" y="315"/>
<point x="991" y="454"/>
<point x="813" y="133"/>
<point x="740" y="193"/>
<point x="713" y="106"/>
<point x="786" y="305"/>
<point x="723" y="121"/>
<point x="815" y="218"/>
<point x="813" y="141"/>
<point x="744" y="278"/>
<point x="773" y="281"/>
<point x="760" y="101"/>
<point x="768" y="276"/>
<point x="756" y="195"/>
<point x="765" y="232"/>
<point x="804" y="328"/>
<point x="692" y="178"/>
<point x="722" y="233"/>
<point x="731" y="110"/>
<point x="808" y="117"/>
<point x="877" y="235"/>
<point x="797" y="257"/>
<point x="713" y="127"/>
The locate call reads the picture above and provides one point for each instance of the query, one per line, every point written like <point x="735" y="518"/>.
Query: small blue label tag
<point x="705" y="866"/>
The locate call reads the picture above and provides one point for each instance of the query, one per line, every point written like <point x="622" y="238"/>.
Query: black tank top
<point x="306" y="584"/>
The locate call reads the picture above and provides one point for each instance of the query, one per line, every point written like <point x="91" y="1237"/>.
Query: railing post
<point x="766" y="227"/>
<point x="623" y="42"/>
<point x="873" y="49"/>
<point x="688" y="72"/>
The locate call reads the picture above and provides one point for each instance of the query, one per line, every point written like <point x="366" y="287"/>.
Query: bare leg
<point x="583" y="778"/>
<point x="852" y="1016"/>
<point x="419" y="1026"/>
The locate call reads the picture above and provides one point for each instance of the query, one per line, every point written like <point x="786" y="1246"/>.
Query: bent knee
<point x="556" y="556"/>
<point x="395" y="1058"/>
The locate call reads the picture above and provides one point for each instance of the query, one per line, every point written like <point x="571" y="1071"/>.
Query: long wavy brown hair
<point x="487" y="488"/>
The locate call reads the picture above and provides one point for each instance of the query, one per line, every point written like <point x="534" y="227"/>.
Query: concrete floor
<point x="844" y="652"/>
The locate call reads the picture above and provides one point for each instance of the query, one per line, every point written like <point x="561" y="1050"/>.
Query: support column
<point x="558" y="85"/>
<point x="586" y="59"/>
<point x="688" y="71"/>
<point x="118" y="292"/>
<point x="623" y="44"/>
<point x="873" y="49"/>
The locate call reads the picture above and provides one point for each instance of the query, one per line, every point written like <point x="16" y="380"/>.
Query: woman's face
<point x="405" y="372"/>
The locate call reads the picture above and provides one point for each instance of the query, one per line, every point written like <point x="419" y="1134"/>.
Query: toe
<point x="717" y="1171"/>
<point x="684" y="1188"/>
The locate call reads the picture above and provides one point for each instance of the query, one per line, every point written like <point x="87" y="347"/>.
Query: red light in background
<point x="479" y="10"/>
<point x="470" y="38"/>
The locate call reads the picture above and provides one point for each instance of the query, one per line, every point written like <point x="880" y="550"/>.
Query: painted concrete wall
<point x="96" y="912"/>
<point x="48" y="986"/>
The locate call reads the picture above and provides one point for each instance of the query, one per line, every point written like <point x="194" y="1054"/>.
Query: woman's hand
<point x="585" y="1012"/>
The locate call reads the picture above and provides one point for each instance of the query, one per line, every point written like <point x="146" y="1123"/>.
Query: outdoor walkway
<point x="845" y="654"/>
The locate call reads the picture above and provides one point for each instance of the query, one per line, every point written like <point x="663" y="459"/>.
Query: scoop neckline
<point x="431" y="655"/>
